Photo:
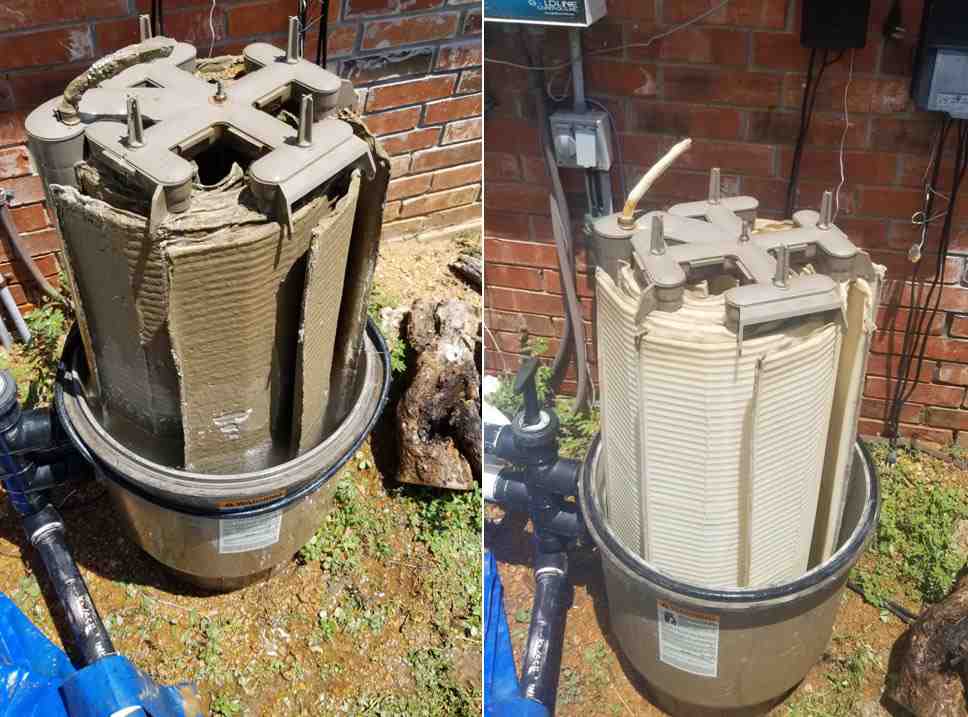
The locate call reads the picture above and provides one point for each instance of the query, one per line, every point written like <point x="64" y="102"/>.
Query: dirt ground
<point x="380" y="614"/>
<point x="407" y="272"/>
<point x="596" y="678"/>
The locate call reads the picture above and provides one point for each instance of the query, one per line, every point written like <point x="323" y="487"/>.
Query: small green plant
<point x="379" y="300"/>
<point x="351" y="531"/>
<point x="398" y="345"/>
<point x="450" y="525"/>
<point x="843" y="692"/>
<point x="914" y="551"/>
<point x="225" y="706"/>
<point x="34" y="365"/>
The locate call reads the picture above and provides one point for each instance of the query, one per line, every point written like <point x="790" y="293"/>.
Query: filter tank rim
<point x="831" y="570"/>
<point x="68" y="405"/>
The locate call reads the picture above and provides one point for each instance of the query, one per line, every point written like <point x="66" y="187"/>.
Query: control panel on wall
<point x="581" y="140"/>
<point x="566" y="13"/>
<point x="941" y="71"/>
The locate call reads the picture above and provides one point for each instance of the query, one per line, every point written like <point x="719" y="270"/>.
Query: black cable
<point x="806" y="118"/>
<point x="919" y="318"/>
<point x="901" y="612"/>
<point x="801" y="136"/>
<point x="907" y="349"/>
<point x="321" y="49"/>
<point x="302" y="9"/>
<point x="921" y="315"/>
<point x="160" y="19"/>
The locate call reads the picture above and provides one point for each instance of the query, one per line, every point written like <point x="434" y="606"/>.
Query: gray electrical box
<point x="568" y="13"/>
<point x="941" y="71"/>
<point x="581" y="139"/>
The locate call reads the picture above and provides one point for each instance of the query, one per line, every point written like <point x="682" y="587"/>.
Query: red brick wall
<point x="417" y="63"/>
<point x="734" y="84"/>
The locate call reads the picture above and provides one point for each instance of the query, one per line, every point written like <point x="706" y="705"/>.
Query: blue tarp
<point x="502" y="694"/>
<point x="37" y="679"/>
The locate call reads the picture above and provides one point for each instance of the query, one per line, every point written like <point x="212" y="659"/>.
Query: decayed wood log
<point x="468" y="268"/>
<point x="439" y="414"/>
<point x="933" y="659"/>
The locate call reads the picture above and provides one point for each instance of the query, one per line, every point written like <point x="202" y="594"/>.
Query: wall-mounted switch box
<point x="835" y="24"/>
<point x="581" y="139"/>
<point x="941" y="70"/>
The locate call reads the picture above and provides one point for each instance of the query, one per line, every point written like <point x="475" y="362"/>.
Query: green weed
<point x="450" y="525"/>
<point x="351" y="530"/>
<point x="225" y="706"/>
<point x="842" y="694"/>
<point x="437" y="692"/>
<point x="914" y="555"/>
<point x="34" y="366"/>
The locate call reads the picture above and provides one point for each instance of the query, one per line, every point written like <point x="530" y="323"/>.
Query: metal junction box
<point x="568" y="13"/>
<point x="581" y="140"/>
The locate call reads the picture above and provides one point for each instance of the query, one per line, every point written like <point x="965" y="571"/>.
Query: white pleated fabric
<point x="725" y="462"/>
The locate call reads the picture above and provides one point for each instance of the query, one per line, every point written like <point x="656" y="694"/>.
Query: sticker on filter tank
<point x="240" y="535"/>
<point x="688" y="640"/>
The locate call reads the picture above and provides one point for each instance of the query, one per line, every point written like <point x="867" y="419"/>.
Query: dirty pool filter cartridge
<point x="731" y="376"/>
<point x="216" y="215"/>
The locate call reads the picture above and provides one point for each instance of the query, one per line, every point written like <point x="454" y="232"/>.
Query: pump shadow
<point x="98" y="541"/>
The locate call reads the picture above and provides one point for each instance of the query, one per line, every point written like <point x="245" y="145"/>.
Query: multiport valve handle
<point x="525" y="384"/>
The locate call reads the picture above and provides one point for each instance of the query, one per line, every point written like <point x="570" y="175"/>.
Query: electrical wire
<point x="806" y="117"/>
<point x="211" y="27"/>
<point x="619" y="159"/>
<point x="157" y="18"/>
<point x="899" y="611"/>
<point x="617" y="48"/>
<point x="843" y="138"/>
<point x="923" y="313"/>
<point x="322" y="35"/>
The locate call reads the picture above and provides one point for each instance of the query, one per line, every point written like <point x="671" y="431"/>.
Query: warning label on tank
<point x="241" y="535"/>
<point x="689" y="640"/>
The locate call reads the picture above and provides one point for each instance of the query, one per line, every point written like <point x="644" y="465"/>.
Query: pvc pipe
<point x="627" y="220"/>
<point x="10" y="304"/>
<point x="577" y="72"/>
<point x="542" y="654"/>
<point x="88" y="635"/>
<point x="45" y="531"/>
<point x="24" y="255"/>
<point x="6" y="339"/>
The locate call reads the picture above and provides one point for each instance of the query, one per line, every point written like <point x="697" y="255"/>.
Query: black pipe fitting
<point x="89" y="637"/>
<point x="529" y="446"/>
<point x="546" y="634"/>
<point x="27" y="487"/>
<point x="511" y="493"/>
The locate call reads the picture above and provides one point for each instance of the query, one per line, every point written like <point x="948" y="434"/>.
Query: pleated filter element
<point x="619" y="367"/>
<point x="791" y="417"/>
<point x="704" y="488"/>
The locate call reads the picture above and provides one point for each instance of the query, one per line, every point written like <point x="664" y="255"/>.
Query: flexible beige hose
<point x="627" y="219"/>
<point x="107" y="67"/>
